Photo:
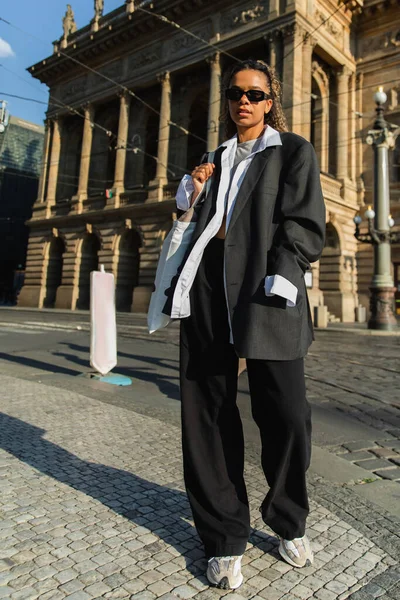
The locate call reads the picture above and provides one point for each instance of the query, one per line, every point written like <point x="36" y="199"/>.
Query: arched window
<point x="320" y="115"/>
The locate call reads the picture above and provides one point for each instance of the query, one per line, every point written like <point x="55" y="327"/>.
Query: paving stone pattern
<point x="361" y="380"/>
<point x="93" y="506"/>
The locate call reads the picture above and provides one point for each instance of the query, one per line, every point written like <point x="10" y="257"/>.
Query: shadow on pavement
<point x="160" y="509"/>
<point x="159" y="362"/>
<point x="151" y="374"/>
<point x="37" y="364"/>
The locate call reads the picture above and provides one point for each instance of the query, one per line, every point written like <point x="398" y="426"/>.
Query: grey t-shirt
<point x="243" y="150"/>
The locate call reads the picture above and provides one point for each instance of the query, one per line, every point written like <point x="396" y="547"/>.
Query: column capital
<point x="56" y="121"/>
<point x="293" y="30"/>
<point x="124" y="95"/>
<point x="88" y="109"/>
<point x="214" y="59"/>
<point x="164" y="78"/>
<point x="309" y="40"/>
<point x="359" y="80"/>
<point x="343" y="73"/>
<point x="272" y="36"/>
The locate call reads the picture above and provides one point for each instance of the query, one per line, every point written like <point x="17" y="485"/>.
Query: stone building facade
<point x="153" y="90"/>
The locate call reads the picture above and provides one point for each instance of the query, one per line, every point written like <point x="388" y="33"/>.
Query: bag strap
<point x="210" y="158"/>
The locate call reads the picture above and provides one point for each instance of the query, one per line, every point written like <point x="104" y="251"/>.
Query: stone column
<point x="307" y="47"/>
<point x="164" y="130"/>
<point x="214" y="106"/>
<point x="342" y="149"/>
<point x="122" y="140"/>
<point x="156" y="194"/>
<point x="86" y="152"/>
<point x="359" y="141"/>
<point x="292" y="82"/>
<point x="45" y="162"/>
<point x="54" y="165"/>
<point x="353" y="121"/>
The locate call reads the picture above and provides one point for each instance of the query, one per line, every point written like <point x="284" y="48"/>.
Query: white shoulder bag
<point x="172" y="254"/>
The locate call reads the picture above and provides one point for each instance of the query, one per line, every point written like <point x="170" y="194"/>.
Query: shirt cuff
<point x="184" y="193"/>
<point x="278" y="285"/>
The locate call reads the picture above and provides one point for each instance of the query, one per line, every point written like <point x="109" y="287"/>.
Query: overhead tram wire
<point x="137" y="149"/>
<point x="138" y="191"/>
<point x="165" y="19"/>
<point x="109" y="133"/>
<point x="176" y="25"/>
<point x="106" y="78"/>
<point x="341" y="3"/>
<point x="23" y="98"/>
<point x="54" y="101"/>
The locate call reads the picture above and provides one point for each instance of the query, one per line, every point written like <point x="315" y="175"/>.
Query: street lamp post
<point x="381" y="137"/>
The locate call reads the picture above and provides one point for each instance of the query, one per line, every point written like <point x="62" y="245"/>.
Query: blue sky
<point x="42" y="19"/>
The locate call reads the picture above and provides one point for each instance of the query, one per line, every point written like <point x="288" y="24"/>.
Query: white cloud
<point x="5" y="49"/>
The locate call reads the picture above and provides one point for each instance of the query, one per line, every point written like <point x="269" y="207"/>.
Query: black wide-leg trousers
<point x="212" y="434"/>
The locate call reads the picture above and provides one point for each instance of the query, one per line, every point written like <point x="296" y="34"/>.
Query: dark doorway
<point x="128" y="269"/>
<point x="54" y="271"/>
<point x="89" y="263"/>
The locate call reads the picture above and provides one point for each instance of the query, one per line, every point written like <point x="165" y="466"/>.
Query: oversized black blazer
<point x="277" y="227"/>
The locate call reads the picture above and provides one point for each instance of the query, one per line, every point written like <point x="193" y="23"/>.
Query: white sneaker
<point x="225" y="572"/>
<point x="297" y="552"/>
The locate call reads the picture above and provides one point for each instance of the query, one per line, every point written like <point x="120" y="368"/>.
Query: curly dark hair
<point x="275" y="117"/>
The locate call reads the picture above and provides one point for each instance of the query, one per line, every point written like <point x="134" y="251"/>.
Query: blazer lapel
<point x="250" y="180"/>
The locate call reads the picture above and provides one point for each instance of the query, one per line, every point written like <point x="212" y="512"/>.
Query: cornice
<point x="96" y="217"/>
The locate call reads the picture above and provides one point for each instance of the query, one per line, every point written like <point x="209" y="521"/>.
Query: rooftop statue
<point x="98" y="8"/>
<point x="68" y="21"/>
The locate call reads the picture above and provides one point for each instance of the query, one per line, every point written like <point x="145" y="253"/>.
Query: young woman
<point x="241" y="293"/>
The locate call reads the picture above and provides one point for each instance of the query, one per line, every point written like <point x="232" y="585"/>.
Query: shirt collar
<point x="270" y="137"/>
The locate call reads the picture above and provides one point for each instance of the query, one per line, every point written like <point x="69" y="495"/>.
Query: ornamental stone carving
<point x="69" y="25"/>
<point x="246" y="16"/>
<point x="98" y="8"/>
<point x="243" y="15"/>
<point x="150" y="56"/>
<point x="381" y="43"/>
<point x="395" y="39"/>
<point x="183" y="42"/>
<point x="319" y="72"/>
<point x="328" y="24"/>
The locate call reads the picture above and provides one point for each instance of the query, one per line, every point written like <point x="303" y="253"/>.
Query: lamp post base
<point x="382" y="309"/>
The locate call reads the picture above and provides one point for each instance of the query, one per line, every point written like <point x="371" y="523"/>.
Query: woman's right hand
<point x="200" y="175"/>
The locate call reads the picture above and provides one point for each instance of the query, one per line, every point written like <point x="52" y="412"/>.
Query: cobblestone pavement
<point x="93" y="506"/>
<point x="361" y="378"/>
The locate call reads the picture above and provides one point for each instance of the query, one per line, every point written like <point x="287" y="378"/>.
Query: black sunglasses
<point x="236" y="94"/>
